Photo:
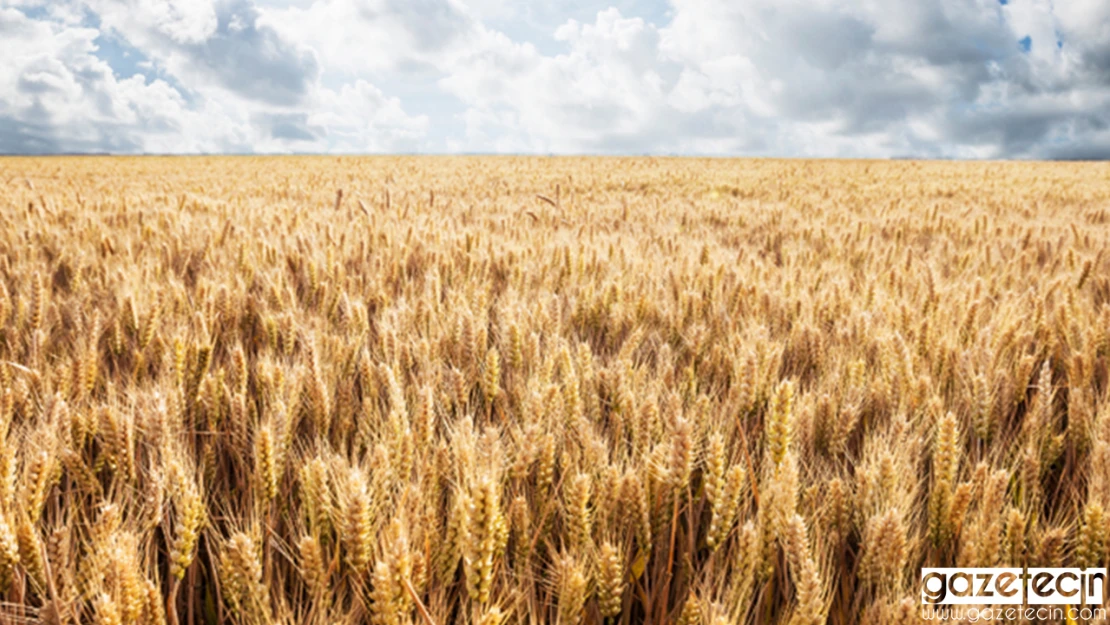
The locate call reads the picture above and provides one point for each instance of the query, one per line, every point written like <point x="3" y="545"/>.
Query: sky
<point x="796" y="78"/>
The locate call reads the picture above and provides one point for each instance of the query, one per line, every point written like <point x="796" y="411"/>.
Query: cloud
<point x="219" y="80"/>
<point x="220" y="42"/>
<point x="601" y="96"/>
<point x="288" y="126"/>
<point x="184" y="22"/>
<point x="787" y="77"/>
<point x="956" y="78"/>
<point x="56" y="95"/>
<point x="353" y="36"/>
<point x="26" y="137"/>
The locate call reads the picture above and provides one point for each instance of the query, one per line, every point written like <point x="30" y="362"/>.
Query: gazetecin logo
<point x="1004" y="594"/>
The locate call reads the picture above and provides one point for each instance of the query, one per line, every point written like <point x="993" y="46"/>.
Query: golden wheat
<point x="701" y="391"/>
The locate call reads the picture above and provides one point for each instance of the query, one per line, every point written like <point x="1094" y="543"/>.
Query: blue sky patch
<point x="34" y="12"/>
<point x="127" y="60"/>
<point x="1026" y="43"/>
<point x="124" y="59"/>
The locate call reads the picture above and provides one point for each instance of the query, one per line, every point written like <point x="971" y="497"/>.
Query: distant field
<point x="523" y="390"/>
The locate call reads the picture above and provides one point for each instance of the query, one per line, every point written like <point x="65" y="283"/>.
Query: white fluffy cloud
<point x="55" y="95"/>
<point x="219" y="79"/>
<point x="963" y="78"/>
<point x="356" y="36"/>
<point x="804" y="77"/>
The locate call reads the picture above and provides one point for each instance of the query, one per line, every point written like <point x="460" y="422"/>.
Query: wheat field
<point x="481" y="390"/>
